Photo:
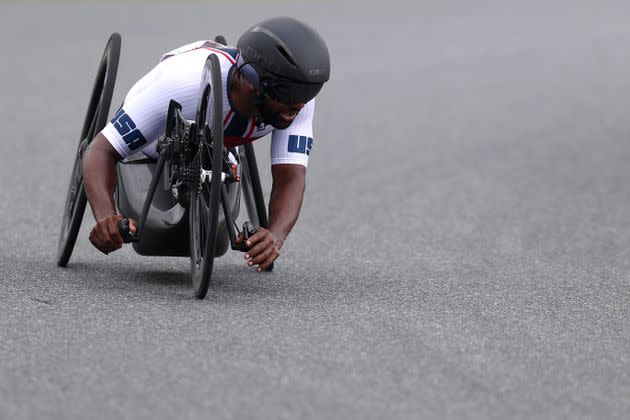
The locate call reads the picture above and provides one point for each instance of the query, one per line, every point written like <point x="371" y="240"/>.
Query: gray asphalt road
<point x="463" y="251"/>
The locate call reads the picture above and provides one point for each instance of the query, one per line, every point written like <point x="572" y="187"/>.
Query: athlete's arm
<point x="287" y="193"/>
<point x="99" y="176"/>
<point x="290" y="149"/>
<point x="99" y="182"/>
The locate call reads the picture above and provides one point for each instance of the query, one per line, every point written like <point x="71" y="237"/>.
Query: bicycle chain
<point x="184" y="170"/>
<point x="190" y="168"/>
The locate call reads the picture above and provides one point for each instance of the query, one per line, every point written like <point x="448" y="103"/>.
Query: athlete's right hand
<point x="105" y="235"/>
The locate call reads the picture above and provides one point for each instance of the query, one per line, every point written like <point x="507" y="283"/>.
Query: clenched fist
<point x="105" y="235"/>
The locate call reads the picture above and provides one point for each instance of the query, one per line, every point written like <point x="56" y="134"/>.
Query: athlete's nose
<point x="288" y="116"/>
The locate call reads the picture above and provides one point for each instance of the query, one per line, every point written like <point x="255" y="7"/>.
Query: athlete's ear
<point x="257" y="98"/>
<point x="245" y="85"/>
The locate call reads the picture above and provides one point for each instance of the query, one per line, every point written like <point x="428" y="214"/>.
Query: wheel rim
<point x="247" y="192"/>
<point x="199" y="208"/>
<point x="75" y="189"/>
<point x="95" y="120"/>
<point x="199" y="221"/>
<point x="206" y="198"/>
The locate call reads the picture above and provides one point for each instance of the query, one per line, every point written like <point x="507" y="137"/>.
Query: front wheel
<point x="205" y="197"/>
<point x="95" y="120"/>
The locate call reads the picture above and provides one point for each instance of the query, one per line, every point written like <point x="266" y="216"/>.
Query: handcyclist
<point x="269" y="82"/>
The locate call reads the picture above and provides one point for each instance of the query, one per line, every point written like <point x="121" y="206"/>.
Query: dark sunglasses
<point x="276" y="87"/>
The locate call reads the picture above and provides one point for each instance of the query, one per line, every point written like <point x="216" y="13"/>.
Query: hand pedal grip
<point x="248" y="230"/>
<point x="127" y="236"/>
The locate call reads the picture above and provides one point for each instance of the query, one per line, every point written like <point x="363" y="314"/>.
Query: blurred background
<point x="463" y="248"/>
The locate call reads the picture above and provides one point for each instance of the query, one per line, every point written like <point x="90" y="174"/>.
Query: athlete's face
<point x="277" y="114"/>
<point x="280" y="115"/>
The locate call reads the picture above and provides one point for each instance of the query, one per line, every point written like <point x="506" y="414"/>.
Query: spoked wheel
<point x="206" y="199"/>
<point x="95" y="120"/>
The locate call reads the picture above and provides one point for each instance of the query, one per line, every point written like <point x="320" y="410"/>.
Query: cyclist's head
<point x="286" y="61"/>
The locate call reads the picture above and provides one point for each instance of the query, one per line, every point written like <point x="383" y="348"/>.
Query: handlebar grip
<point x="127" y="236"/>
<point x="248" y="230"/>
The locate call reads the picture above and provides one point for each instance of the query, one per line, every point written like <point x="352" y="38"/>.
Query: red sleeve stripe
<point x="251" y="128"/>
<point x="227" y="117"/>
<point x="223" y="53"/>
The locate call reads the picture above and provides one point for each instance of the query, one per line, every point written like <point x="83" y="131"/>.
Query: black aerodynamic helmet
<point x="284" y="58"/>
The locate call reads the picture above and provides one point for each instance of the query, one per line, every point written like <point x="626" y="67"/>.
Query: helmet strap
<point x="258" y="98"/>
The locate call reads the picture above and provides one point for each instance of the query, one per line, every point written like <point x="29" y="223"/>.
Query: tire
<point x="205" y="200"/>
<point x="95" y="120"/>
<point x="252" y="189"/>
<point x="247" y="190"/>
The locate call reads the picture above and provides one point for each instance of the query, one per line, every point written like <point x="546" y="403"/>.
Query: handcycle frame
<point x="164" y="228"/>
<point x="171" y="144"/>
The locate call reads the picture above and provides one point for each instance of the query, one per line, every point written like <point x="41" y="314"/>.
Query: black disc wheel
<point x="247" y="190"/>
<point x="205" y="199"/>
<point x="251" y="186"/>
<point x="252" y="189"/>
<point x="95" y="120"/>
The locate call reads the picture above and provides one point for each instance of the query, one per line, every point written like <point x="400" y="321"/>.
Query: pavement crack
<point x="44" y="301"/>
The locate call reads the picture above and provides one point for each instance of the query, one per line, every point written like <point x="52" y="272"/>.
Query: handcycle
<point x="187" y="201"/>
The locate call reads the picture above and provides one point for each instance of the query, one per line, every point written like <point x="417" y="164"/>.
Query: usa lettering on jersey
<point x="125" y="126"/>
<point x="300" y="144"/>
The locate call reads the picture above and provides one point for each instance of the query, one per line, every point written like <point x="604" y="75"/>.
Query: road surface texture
<point x="463" y="249"/>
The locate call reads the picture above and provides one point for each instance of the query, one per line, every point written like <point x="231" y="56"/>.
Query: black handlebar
<point x="248" y="230"/>
<point x="127" y="236"/>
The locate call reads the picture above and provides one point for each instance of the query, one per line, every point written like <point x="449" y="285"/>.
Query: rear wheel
<point x="95" y="120"/>
<point x="247" y="189"/>
<point x="255" y="201"/>
<point x="205" y="199"/>
<point x="252" y="189"/>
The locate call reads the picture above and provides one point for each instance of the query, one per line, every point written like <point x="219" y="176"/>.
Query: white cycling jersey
<point x="142" y="117"/>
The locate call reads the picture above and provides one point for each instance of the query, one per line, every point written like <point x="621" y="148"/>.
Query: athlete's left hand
<point x="264" y="248"/>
